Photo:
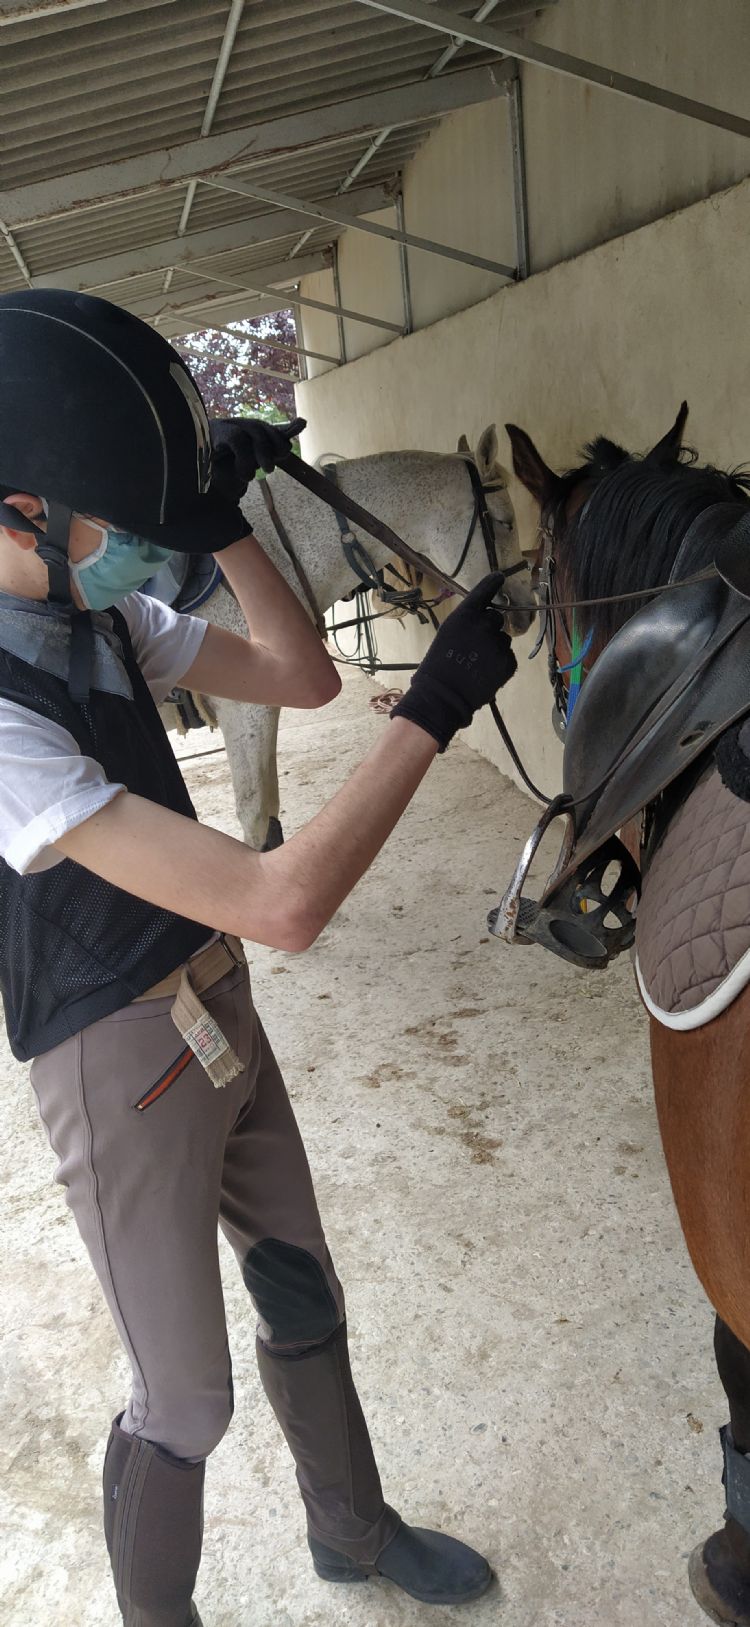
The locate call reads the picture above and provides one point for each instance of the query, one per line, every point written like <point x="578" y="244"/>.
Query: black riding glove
<point x="242" y="446"/>
<point x="469" y="659"/>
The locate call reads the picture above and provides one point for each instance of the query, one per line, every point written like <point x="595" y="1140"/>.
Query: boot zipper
<point x="124" y="1533"/>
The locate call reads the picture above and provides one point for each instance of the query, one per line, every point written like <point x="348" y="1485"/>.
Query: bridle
<point x="551" y="610"/>
<point x="325" y="484"/>
<point x="552" y="619"/>
<point x="347" y="510"/>
<point x="487" y="521"/>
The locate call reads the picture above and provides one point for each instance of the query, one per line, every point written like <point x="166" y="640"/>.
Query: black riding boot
<point x="720" y="1568"/>
<point x="153" y="1523"/>
<point x="352" y="1533"/>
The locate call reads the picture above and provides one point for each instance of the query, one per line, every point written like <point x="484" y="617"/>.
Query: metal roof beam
<point x="382" y="136"/>
<point x="240" y="149"/>
<point x="332" y="213"/>
<point x="245" y="367"/>
<point x="194" y="319"/>
<point x="520" y="190"/>
<point x="12" y="247"/>
<point x="217" y="84"/>
<point x="30" y="11"/>
<point x="348" y="181"/>
<point x="557" y="61"/>
<point x="302" y="299"/>
<point x="271" y="343"/>
<point x="208" y="308"/>
<point x="167" y="308"/>
<point x="280" y="272"/>
<point x="186" y="251"/>
<point x="222" y="63"/>
<point x="543" y="56"/>
<point x="456" y="44"/>
<point x="206" y="300"/>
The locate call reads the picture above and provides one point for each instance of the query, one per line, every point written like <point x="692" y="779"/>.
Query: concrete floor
<point x="532" y="1349"/>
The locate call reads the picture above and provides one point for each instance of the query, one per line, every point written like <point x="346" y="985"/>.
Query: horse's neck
<point x="398" y="489"/>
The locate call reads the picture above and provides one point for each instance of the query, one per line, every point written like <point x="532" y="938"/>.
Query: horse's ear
<point x="530" y="466"/>
<point x="487" y="449"/>
<point x="463" y="448"/>
<point x="667" y="450"/>
<point x="605" y="455"/>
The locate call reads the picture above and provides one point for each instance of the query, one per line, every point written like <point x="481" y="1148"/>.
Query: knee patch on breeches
<point x="291" y="1292"/>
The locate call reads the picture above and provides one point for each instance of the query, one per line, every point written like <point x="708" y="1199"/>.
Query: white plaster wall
<point x="319" y="329"/>
<point x="608" y="342"/>
<point x="458" y="190"/>
<point x="370" y="279"/>
<point x="597" y="163"/>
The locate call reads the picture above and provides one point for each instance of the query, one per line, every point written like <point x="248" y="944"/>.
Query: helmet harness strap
<point x="52" y="547"/>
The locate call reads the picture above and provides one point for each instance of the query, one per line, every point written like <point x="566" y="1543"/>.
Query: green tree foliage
<point x="219" y="361"/>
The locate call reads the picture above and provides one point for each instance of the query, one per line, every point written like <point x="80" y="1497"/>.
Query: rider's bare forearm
<point x="323" y="862"/>
<point x="274" y="615"/>
<point x="284" y="898"/>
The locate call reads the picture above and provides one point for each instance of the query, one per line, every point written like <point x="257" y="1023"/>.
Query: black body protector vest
<point x="73" y="948"/>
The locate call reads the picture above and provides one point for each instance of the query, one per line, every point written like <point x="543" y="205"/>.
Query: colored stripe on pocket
<point x="168" y="1078"/>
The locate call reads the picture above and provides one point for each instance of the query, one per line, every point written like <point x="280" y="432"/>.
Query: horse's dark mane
<point x="632" y="522"/>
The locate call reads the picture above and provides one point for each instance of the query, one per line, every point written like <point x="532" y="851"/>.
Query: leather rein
<point x="331" y="493"/>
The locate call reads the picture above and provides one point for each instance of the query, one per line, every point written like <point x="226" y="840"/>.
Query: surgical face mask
<point x="121" y="564"/>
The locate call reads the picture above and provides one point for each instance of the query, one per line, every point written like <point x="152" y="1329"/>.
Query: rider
<point x="121" y="968"/>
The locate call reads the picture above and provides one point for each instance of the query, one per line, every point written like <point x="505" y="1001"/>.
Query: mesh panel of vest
<point x="75" y="948"/>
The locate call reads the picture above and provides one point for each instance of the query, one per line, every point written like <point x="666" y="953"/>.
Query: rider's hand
<point x="469" y="659"/>
<point x="242" y="446"/>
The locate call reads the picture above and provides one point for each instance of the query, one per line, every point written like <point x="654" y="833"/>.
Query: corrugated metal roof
<point x="239" y="266"/>
<point x="9" y="274"/>
<point x="112" y="228"/>
<point x="114" y="81"/>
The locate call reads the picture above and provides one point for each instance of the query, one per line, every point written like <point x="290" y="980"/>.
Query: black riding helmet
<point x="100" y="415"/>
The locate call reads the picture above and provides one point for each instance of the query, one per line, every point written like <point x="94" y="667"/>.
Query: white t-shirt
<point x="46" y="785"/>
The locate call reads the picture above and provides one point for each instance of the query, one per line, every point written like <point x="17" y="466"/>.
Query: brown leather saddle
<point x="670" y="682"/>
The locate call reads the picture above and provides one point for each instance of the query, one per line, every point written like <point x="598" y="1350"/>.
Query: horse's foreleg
<point x="702" y="1087"/>
<point x="720" y="1567"/>
<point x="250" y="734"/>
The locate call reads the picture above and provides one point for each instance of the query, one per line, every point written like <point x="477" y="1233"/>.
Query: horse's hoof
<point x="718" y="1586"/>
<point x="274" y="836"/>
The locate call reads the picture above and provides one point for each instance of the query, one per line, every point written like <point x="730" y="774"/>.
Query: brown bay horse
<point x="613" y="525"/>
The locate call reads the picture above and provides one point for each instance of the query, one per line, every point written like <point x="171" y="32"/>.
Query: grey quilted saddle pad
<point x="693" y="928"/>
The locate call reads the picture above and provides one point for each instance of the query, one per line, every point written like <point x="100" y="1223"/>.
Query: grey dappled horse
<point x="427" y="498"/>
